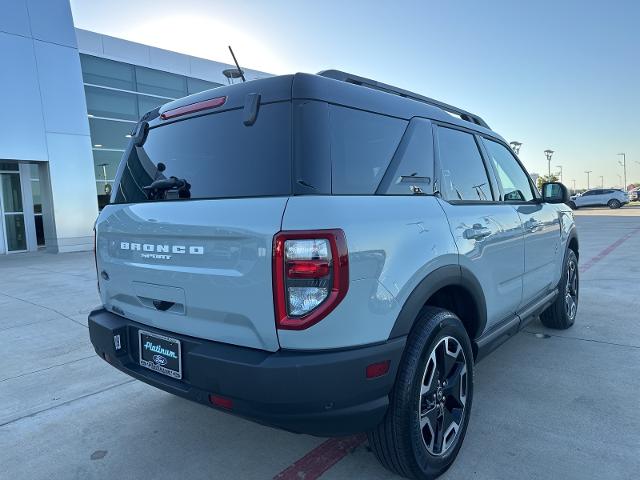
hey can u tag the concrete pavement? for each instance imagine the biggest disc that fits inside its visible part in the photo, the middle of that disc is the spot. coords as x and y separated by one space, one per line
547 404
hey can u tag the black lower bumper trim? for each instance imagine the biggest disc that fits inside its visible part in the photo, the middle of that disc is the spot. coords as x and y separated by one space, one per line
323 393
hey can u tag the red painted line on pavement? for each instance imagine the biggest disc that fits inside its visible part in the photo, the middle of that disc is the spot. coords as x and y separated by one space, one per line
592 261
321 458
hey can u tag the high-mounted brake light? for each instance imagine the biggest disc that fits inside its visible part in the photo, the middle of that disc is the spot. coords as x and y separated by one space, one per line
194 107
310 276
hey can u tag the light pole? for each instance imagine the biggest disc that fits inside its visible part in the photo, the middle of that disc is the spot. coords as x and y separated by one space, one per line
549 153
624 170
560 167
574 185
515 146
588 172
601 181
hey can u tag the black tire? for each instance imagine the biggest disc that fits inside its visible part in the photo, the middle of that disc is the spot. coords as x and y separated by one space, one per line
613 204
559 315
398 441
572 205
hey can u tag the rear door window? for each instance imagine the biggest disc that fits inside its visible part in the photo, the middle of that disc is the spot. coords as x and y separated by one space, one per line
362 145
463 176
216 154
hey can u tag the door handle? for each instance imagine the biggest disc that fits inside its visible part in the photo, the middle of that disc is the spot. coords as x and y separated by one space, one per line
533 225
478 232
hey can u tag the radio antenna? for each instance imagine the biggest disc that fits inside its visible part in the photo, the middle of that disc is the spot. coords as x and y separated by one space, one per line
237 66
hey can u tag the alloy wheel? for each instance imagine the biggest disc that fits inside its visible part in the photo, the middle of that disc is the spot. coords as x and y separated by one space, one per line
571 290
443 396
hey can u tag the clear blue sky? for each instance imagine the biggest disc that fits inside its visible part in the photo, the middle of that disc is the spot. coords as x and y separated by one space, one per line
563 75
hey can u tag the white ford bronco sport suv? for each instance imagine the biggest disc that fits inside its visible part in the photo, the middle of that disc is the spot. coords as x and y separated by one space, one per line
328 255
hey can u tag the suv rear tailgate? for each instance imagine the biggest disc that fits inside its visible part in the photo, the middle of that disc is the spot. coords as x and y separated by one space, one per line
199 268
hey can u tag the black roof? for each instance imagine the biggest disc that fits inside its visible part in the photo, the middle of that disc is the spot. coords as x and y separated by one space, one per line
342 89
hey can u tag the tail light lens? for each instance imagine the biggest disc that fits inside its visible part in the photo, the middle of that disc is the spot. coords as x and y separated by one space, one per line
310 276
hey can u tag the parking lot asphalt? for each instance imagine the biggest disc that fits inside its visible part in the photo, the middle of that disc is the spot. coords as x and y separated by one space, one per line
547 404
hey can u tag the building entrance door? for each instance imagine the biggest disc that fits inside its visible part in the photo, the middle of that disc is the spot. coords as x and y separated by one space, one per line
13 235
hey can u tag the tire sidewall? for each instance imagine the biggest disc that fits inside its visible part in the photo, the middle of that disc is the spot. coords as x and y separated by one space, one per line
443 324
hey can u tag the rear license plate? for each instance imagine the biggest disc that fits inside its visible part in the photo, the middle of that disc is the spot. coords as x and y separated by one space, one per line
160 354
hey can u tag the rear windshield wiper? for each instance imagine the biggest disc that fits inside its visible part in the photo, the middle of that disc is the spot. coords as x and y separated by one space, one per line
157 190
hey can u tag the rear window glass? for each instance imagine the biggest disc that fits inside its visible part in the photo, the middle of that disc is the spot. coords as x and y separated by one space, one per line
215 154
362 145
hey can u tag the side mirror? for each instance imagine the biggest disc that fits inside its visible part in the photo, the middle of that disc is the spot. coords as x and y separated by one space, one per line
555 192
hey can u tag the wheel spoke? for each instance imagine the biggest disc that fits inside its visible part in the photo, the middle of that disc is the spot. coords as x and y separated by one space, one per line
429 383
449 358
429 417
455 388
439 434
451 423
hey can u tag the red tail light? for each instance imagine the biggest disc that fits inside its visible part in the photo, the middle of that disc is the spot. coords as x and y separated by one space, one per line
194 107
310 276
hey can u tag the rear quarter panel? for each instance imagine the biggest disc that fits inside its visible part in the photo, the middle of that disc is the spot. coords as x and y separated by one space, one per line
393 242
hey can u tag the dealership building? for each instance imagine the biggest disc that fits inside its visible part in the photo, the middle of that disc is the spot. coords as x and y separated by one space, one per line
70 99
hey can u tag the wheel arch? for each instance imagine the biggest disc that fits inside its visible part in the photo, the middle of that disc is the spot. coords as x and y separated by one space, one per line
573 244
452 287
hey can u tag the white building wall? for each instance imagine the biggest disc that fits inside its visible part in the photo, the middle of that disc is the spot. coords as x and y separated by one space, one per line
44 115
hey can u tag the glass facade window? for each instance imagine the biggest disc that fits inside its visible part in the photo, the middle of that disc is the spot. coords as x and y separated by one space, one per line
11 193
9 167
120 93
195 85
111 104
160 83
109 133
100 71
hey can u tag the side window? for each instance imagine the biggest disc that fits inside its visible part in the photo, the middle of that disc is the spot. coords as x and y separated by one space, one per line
362 145
463 175
412 165
514 180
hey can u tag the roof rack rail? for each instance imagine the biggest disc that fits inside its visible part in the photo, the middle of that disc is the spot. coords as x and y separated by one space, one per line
367 82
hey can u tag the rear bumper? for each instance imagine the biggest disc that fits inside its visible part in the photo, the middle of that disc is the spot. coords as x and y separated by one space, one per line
319 393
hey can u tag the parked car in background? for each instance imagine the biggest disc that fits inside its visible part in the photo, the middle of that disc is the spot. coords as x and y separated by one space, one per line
598 197
634 195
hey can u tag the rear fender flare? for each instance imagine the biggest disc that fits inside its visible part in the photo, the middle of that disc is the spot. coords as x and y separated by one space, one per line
450 275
